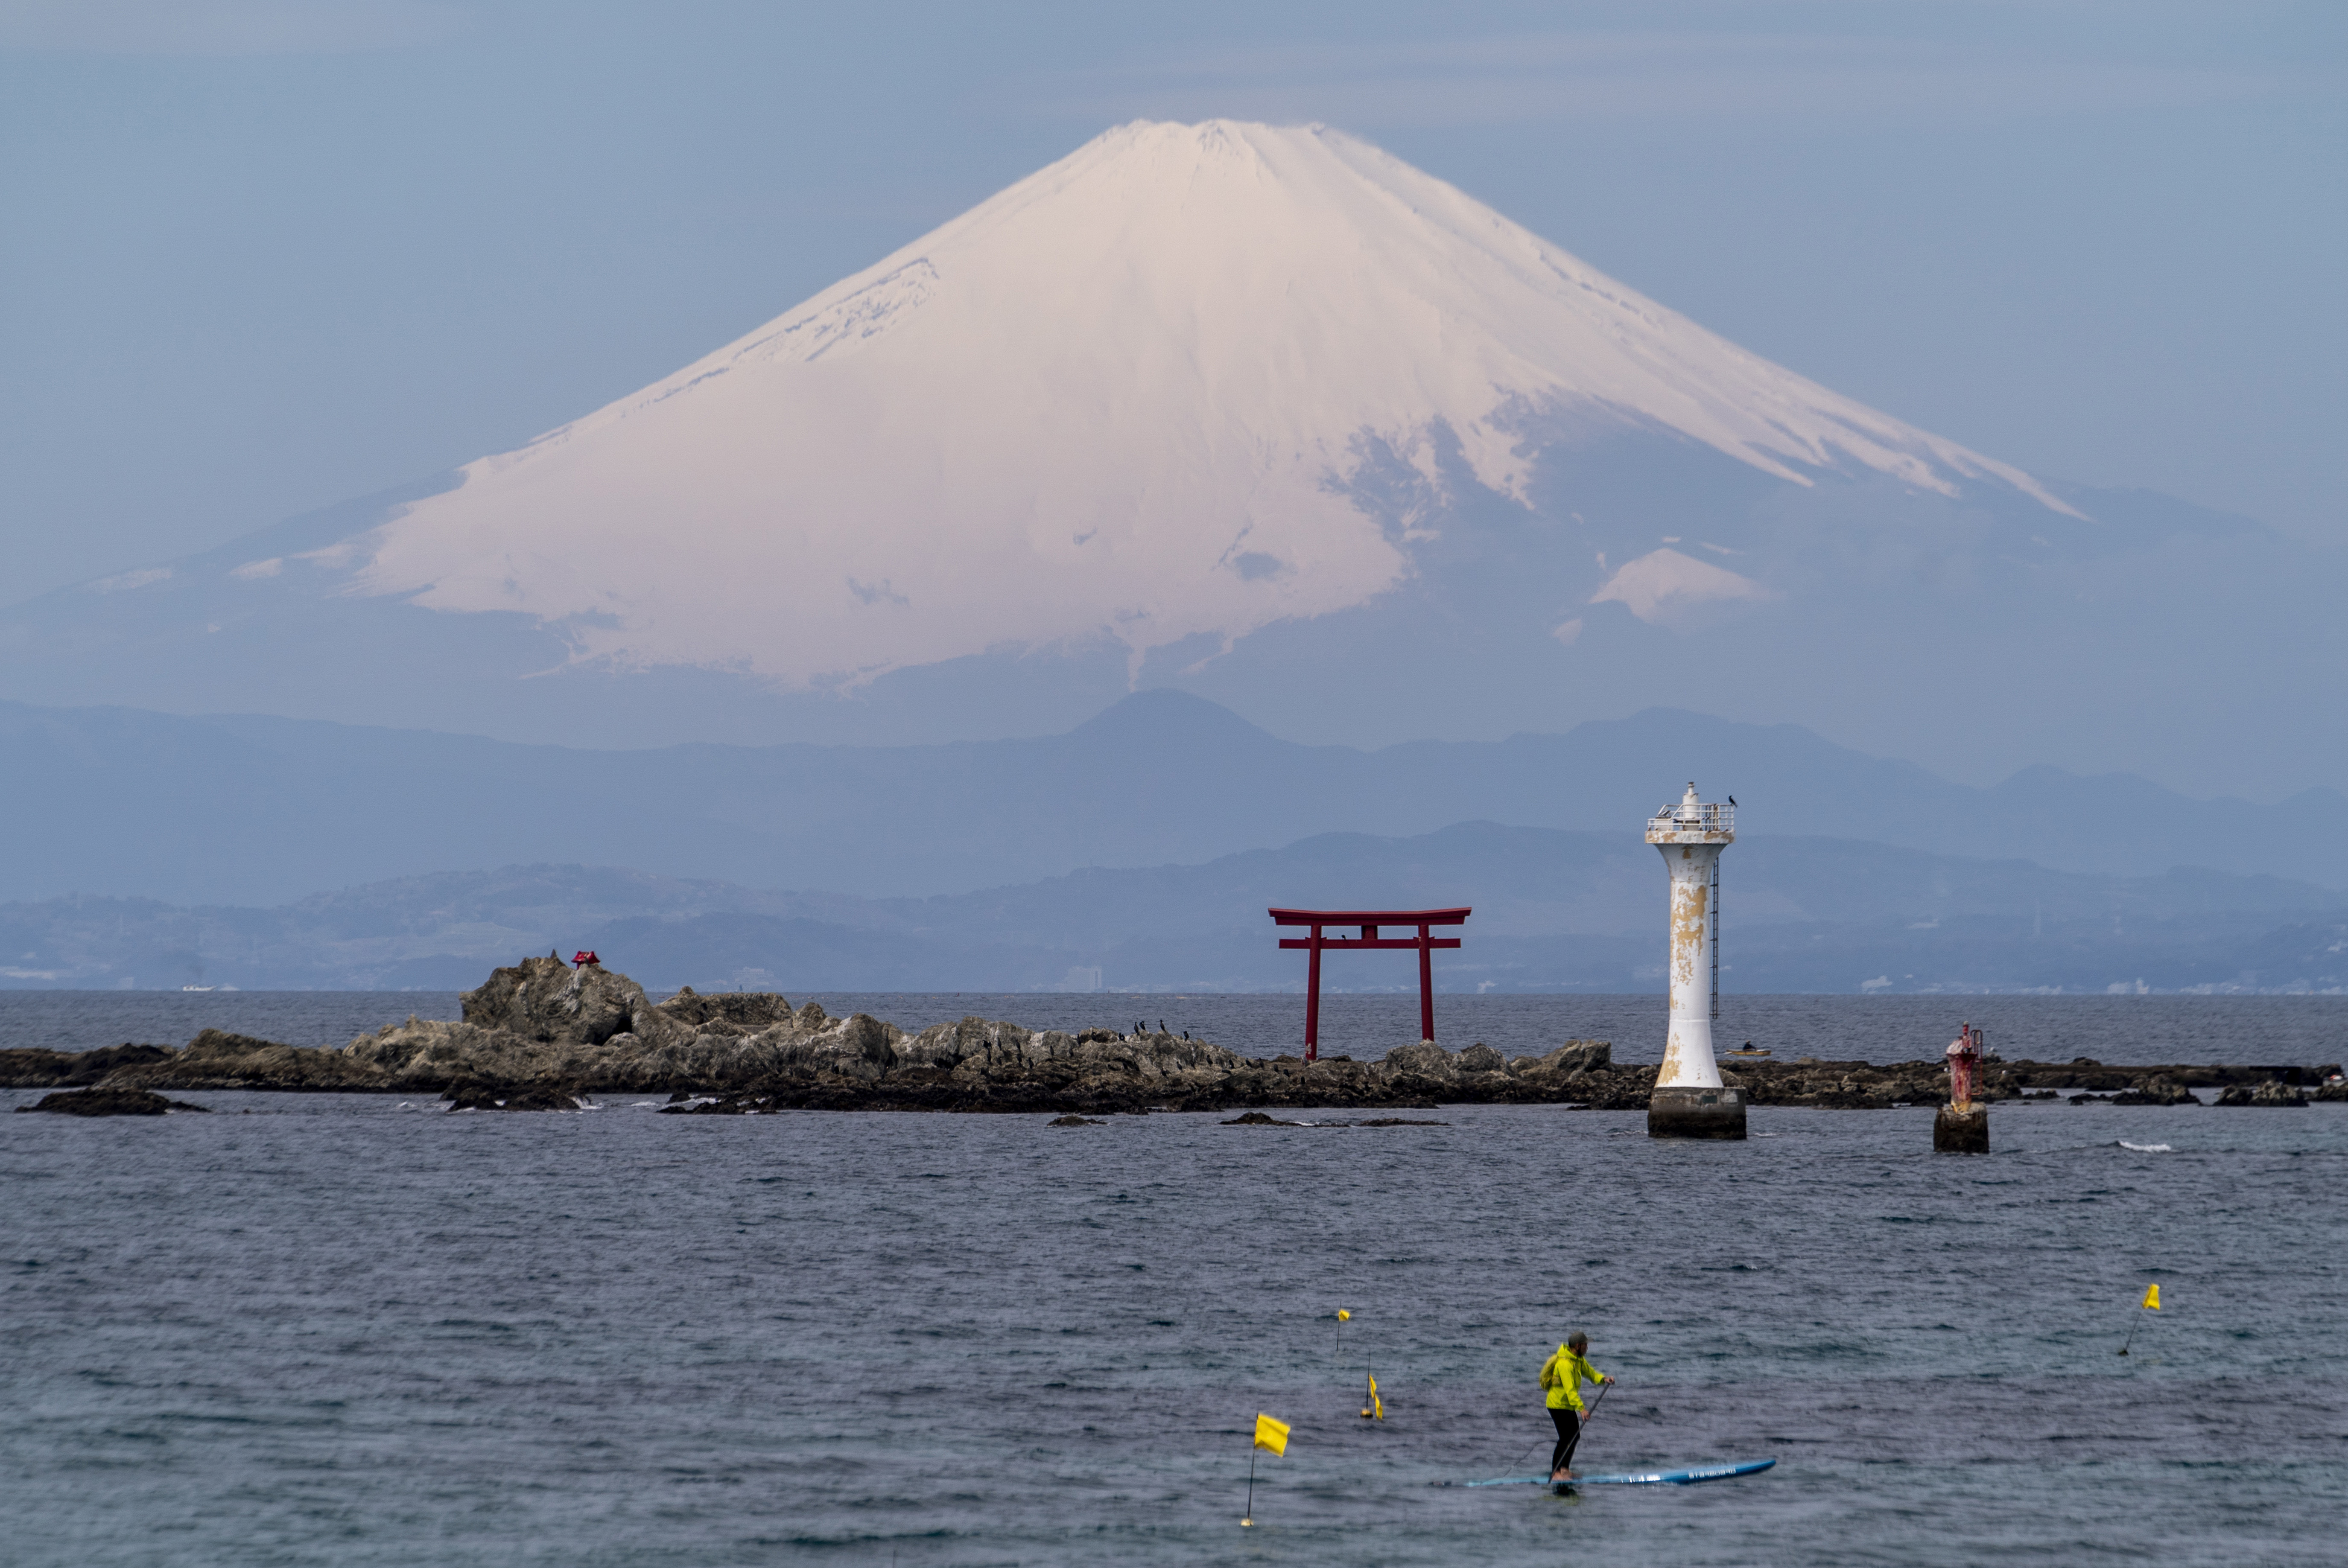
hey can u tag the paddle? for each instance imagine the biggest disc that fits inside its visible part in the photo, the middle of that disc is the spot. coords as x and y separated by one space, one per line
1591 1414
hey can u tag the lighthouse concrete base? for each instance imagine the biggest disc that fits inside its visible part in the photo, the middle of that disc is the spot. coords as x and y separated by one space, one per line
1962 1131
1697 1113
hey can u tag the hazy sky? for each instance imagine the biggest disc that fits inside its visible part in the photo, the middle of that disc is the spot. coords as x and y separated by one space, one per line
259 256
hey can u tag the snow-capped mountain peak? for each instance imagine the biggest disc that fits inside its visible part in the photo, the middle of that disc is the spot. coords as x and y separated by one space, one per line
1125 397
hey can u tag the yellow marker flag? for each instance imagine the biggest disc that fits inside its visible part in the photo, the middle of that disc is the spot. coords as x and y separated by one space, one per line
1375 1403
2152 1296
1344 1316
1270 1434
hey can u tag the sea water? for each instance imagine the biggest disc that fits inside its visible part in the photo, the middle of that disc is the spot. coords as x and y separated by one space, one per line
361 1329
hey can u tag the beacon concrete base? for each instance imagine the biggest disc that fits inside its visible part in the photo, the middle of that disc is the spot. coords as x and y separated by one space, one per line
1965 1132
1697 1113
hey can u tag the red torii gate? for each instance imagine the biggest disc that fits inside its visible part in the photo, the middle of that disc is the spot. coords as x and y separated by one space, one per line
1369 920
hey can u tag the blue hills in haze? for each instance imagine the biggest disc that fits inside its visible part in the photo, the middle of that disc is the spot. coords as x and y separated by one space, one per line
1144 844
1555 911
263 811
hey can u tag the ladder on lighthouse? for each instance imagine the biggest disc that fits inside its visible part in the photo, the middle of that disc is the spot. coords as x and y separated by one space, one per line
1715 941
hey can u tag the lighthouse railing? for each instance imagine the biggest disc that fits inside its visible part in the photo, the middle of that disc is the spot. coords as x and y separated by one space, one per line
1720 818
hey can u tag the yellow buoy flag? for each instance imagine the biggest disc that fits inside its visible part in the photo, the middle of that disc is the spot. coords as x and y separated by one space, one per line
1270 1434
1375 1403
1344 1316
2152 1296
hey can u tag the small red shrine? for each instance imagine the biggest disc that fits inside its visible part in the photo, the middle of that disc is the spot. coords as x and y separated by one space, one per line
1369 921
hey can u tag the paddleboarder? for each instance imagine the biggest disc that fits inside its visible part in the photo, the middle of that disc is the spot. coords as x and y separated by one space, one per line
1562 1376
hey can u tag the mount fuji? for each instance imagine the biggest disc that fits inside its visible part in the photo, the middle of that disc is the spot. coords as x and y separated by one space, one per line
1267 414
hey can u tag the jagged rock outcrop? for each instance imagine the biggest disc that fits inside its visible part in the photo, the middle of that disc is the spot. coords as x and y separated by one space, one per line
1427 1063
2158 1090
662 1054
38 1068
749 1011
548 1001
2261 1095
1568 1062
218 1060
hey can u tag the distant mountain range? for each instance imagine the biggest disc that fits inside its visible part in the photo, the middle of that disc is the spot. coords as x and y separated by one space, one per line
1555 911
260 811
1265 414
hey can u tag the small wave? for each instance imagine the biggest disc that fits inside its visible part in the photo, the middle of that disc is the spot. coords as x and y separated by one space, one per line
2148 1148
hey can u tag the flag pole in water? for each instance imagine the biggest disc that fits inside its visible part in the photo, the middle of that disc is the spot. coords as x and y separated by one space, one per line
1269 1434
1343 1317
2151 1303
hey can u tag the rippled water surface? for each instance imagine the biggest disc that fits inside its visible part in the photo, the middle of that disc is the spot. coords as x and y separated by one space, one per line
359 1330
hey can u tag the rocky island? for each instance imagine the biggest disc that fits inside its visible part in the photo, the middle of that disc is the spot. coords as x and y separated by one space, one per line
541 1034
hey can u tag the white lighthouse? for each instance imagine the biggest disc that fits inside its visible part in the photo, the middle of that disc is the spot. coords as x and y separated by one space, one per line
1689 1100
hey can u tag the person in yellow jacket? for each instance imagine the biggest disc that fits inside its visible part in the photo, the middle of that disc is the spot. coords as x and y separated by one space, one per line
1562 1376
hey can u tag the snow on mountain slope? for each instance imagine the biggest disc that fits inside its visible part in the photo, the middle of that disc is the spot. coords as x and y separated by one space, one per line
1124 399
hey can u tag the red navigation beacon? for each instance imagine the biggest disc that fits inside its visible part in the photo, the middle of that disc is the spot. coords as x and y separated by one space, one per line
1964 1066
1369 921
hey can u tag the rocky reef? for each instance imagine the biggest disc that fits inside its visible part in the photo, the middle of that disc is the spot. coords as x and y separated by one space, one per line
37 1069
541 1034
1857 1085
1101 1071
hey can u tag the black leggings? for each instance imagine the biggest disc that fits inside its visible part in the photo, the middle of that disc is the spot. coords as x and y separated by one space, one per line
1569 1432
